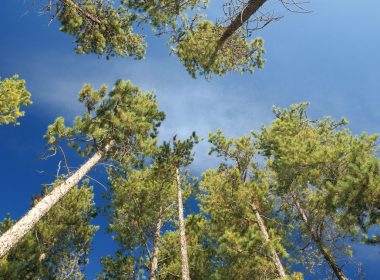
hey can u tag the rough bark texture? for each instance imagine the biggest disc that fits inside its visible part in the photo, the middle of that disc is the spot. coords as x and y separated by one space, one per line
184 258
252 7
277 262
12 236
328 257
157 236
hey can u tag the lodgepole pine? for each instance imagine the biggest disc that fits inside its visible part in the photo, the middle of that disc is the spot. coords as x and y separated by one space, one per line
12 236
249 10
156 241
239 189
182 231
277 262
174 156
125 120
327 181
319 242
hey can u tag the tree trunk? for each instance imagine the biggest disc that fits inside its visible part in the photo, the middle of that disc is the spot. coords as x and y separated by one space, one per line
252 7
277 262
185 261
157 235
13 235
328 257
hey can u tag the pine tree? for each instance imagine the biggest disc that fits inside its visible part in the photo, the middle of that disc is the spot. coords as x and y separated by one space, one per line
205 47
145 198
13 95
98 27
237 199
201 251
201 52
114 128
176 157
59 244
141 202
319 166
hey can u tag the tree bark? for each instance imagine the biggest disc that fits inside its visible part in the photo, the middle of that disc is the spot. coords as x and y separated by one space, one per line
327 256
13 235
184 258
252 7
157 236
277 262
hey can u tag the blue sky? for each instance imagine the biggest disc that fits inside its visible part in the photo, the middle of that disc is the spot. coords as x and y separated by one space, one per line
329 58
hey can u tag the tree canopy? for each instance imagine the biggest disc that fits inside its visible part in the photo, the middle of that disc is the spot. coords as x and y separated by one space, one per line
205 46
13 95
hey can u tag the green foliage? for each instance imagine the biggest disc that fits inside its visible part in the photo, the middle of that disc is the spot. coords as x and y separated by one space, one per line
58 247
331 173
343 167
178 153
202 52
161 14
126 116
200 252
118 268
229 197
100 28
137 197
144 197
13 95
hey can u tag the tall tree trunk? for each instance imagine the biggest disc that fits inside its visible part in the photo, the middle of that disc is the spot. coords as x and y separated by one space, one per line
252 7
13 235
277 262
319 242
157 236
184 259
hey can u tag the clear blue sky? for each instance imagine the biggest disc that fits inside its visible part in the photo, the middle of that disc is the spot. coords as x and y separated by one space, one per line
329 57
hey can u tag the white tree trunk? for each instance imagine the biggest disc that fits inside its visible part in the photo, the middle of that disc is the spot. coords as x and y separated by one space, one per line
277 262
184 259
157 235
13 235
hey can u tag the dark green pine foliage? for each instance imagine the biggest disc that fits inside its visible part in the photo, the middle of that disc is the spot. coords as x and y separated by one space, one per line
118 267
58 247
327 180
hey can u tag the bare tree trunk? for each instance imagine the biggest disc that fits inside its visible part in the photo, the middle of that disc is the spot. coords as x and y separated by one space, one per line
252 7
185 261
328 257
13 235
157 236
277 262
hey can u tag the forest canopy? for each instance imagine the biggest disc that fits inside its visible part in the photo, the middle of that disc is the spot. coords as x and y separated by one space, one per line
130 177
